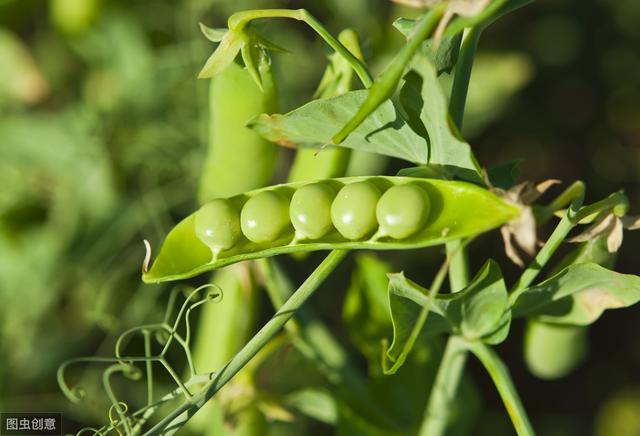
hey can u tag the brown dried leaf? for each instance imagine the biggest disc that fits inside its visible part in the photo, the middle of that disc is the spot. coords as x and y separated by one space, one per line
532 193
631 222
524 231
614 240
509 249
468 8
594 301
602 225
418 4
147 256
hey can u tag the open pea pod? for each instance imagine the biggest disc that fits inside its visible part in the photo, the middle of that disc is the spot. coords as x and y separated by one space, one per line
375 213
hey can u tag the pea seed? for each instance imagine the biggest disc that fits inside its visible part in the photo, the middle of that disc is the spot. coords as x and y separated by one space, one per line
403 210
310 210
265 217
353 211
218 225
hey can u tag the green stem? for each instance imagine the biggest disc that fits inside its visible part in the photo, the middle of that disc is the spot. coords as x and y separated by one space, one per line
452 365
571 219
241 19
502 379
385 85
444 387
462 76
178 417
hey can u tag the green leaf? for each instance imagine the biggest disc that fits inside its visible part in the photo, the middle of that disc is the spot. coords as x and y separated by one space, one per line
251 56
410 306
478 311
505 175
480 308
404 25
313 125
213 34
224 54
445 56
427 113
578 295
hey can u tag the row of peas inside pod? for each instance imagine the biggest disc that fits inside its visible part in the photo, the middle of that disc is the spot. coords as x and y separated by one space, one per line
356 211
376 212
372 209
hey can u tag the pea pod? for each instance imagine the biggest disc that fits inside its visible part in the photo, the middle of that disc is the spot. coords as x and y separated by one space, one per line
235 98
552 351
455 210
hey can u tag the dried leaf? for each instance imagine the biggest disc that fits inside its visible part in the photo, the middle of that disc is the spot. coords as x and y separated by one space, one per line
524 231
467 8
509 249
614 240
418 4
602 225
532 193
631 222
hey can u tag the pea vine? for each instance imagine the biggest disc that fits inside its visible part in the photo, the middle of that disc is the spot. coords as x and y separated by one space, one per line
445 198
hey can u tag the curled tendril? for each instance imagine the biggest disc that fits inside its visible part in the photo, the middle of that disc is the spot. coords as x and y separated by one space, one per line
120 406
95 431
77 393
165 333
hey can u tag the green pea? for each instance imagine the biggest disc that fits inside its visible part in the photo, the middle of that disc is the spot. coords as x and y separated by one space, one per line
403 210
265 217
310 210
353 211
218 225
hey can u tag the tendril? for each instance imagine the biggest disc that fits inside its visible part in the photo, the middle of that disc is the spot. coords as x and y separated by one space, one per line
165 332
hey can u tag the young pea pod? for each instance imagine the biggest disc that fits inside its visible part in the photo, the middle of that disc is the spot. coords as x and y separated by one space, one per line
552 351
235 98
379 213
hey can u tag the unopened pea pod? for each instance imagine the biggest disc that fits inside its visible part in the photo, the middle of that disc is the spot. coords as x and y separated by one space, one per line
446 210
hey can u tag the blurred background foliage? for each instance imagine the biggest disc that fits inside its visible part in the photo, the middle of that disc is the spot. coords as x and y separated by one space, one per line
102 138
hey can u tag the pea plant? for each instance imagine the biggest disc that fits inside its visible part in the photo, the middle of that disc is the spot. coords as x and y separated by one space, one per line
441 197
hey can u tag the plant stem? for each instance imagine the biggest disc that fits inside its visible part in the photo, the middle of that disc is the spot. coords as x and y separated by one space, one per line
385 84
573 216
502 379
178 417
241 19
462 76
444 387
449 374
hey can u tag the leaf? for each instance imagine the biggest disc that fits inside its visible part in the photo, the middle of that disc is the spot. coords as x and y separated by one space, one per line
213 34
480 308
410 306
578 295
478 311
446 54
427 113
505 175
313 124
224 54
